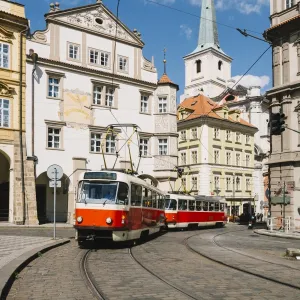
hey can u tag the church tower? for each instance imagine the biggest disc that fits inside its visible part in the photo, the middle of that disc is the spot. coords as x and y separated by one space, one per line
207 68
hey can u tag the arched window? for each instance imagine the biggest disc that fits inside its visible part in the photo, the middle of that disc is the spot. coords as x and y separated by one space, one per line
220 65
198 65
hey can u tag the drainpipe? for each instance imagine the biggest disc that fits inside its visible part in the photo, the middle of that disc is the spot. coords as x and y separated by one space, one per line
20 124
34 58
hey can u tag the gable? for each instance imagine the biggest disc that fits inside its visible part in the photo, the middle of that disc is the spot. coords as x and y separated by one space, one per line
96 19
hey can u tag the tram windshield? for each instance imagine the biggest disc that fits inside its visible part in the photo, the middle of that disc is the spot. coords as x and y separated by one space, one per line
171 204
103 193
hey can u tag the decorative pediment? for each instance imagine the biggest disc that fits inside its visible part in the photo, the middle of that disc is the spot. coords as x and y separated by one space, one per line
5 90
97 19
6 35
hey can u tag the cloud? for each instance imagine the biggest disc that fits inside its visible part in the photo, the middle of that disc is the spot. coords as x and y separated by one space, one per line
243 6
252 80
186 30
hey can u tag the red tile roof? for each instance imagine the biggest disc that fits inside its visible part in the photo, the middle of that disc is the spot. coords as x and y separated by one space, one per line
165 79
200 106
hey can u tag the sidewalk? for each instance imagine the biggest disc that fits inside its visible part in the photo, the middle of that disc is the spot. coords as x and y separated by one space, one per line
279 234
17 251
59 225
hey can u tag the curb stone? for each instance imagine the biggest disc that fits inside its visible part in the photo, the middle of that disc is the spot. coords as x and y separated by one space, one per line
8 272
276 234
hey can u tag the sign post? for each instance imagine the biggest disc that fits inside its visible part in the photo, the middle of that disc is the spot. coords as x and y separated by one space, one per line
54 173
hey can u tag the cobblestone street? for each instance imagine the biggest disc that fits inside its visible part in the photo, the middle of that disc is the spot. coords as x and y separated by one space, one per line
56 274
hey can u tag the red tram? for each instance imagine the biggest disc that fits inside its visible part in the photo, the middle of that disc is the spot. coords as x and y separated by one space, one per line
183 211
117 206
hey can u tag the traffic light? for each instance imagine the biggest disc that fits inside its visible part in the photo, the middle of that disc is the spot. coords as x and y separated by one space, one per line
180 172
277 123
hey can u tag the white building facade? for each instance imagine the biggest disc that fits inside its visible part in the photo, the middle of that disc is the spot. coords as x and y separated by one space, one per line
208 72
90 74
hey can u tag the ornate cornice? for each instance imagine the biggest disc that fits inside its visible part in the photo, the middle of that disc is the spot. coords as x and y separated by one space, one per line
5 90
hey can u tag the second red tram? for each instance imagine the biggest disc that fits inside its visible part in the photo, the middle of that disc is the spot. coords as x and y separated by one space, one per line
184 211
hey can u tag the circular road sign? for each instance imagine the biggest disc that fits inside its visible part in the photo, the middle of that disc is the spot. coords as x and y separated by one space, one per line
51 172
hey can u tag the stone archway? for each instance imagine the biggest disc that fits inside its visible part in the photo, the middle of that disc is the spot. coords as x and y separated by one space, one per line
45 203
4 187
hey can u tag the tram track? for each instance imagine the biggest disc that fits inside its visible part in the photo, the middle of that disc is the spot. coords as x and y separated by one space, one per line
88 278
185 242
159 277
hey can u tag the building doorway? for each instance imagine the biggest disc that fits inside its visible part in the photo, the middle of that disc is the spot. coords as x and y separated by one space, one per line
4 187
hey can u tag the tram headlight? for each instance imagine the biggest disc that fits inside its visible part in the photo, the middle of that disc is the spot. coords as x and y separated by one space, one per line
108 221
79 219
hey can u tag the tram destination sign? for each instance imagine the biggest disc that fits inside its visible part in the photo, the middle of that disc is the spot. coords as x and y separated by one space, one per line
100 175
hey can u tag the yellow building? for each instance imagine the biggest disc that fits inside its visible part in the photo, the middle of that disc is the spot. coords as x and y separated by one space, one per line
17 192
216 152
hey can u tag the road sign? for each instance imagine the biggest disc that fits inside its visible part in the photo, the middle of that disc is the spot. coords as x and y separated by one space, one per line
52 184
55 169
279 200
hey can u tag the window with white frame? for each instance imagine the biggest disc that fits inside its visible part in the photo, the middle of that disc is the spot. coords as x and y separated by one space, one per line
248 185
247 160
289 3
54 87
216 183
183 135
100 58
97 94
183 158
216 156
4 56
228 158
238 184
144 147
247 139
4 113
95 142
163 146
238 159
228 135
194 183
216 133
54 138
237 137
228 184
194 157
109 97
194 133
123 64
74 52
110 144
162 104
144 104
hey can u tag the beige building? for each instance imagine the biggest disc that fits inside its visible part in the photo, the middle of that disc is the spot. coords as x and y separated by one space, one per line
216 153
284 162
17 192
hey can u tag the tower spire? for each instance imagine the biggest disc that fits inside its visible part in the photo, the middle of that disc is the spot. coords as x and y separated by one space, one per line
208 32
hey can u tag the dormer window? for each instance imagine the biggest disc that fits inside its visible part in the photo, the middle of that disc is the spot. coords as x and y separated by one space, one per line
289 3
198 65
220 65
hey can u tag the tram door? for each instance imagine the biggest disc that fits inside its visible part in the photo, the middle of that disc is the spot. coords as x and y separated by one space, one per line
135 212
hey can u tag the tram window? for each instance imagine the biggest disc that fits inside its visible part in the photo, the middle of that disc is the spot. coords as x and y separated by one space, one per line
211 206
205 206
222 206
154 203
122 197
198 205
147 200
217 206
160 201
171 204
191 205
182 204
136 195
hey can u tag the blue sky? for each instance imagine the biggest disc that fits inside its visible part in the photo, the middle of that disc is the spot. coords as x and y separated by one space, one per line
178 32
